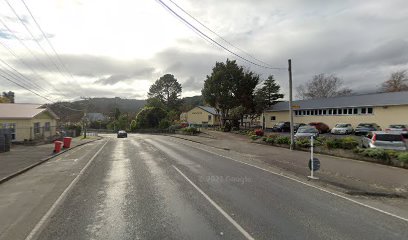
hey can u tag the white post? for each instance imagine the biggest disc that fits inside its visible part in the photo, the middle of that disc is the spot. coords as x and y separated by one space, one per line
311 156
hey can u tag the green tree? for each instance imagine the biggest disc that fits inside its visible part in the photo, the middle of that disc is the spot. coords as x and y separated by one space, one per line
150 117
168 90
117 113
267 95
133 125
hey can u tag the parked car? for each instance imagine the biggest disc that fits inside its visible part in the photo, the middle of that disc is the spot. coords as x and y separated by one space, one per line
342 128
385 140
364 128
296 126
321 127
122 134
307 131
397 128
281 127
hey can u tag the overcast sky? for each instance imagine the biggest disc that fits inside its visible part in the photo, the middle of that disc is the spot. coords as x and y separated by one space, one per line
119 48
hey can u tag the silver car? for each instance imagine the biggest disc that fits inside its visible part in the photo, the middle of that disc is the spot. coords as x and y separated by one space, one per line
397 128
385 140
307 131
342 128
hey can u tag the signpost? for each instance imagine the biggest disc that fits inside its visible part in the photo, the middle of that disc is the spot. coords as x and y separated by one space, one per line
314 163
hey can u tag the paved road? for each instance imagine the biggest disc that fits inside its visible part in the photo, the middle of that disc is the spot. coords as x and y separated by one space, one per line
157 187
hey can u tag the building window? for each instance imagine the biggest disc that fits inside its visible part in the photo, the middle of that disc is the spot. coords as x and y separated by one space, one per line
47 126
330 111
369 110
350 111
355 110
36 128
324 112
11 127
273 118
363 110
320 112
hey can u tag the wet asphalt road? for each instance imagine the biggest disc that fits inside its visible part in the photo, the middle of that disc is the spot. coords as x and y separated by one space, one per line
158 187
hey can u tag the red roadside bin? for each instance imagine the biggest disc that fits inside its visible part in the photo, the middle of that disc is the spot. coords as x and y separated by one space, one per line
57 146
67 142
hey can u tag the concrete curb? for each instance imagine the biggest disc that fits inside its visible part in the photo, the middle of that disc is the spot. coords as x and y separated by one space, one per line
227 149
15 174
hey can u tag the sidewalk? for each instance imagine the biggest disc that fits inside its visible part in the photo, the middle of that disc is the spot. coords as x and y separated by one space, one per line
21 157
352 176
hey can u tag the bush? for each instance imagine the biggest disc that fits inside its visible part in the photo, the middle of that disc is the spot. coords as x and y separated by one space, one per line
164 123
344 143
270 140
255 137
403 157
190 130
259 132
303 142
227 127
376 153
282 140
150 117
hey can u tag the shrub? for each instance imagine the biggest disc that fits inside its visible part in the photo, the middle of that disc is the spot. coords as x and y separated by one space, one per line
333 143
282 140
227 127
349 143
190 130
303 142
376 153
164 123
403 157
270 140
150 117
259 132
255 137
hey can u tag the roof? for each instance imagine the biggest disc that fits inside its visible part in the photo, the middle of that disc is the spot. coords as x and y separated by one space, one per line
209 109
23 111
96 117
366 100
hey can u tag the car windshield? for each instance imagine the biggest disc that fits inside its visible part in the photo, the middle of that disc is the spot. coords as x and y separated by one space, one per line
342 125
307 130
398 126
388 137
368 125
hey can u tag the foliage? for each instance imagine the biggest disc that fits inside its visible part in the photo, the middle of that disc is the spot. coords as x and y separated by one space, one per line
344 143
190 130
255 137
164 123
376 153
4 100
98 124
191 102
282 140
270 139
322 86
303 142
133 125
76 127
397 82
150 117
117 113
227 127
259 132
267 95
155 102
403 157
168 90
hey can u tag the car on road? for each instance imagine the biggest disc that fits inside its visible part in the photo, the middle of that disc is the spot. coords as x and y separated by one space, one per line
321 127
364 128
385 140
296 126
307 131
397 128
122 134
281 127
342 128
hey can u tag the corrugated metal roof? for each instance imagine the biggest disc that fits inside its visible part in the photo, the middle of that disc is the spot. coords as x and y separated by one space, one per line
364 100
21 110
209 109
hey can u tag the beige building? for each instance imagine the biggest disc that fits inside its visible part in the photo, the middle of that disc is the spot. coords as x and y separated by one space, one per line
28 121
202 115
381 108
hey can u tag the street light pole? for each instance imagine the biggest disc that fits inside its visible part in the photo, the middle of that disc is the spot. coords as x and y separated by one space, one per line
292 142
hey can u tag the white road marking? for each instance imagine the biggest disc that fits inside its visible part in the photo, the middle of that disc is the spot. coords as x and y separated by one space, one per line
60 199
228 217
304 183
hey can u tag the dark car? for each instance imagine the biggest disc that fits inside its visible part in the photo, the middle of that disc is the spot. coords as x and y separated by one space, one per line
281 127
321 127
364 128
122 134
296 126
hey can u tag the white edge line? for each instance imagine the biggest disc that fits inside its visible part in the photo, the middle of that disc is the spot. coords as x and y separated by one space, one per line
228 217
54 206
304 183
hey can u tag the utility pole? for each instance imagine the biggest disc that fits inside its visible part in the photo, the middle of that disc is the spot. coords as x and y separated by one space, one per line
292 138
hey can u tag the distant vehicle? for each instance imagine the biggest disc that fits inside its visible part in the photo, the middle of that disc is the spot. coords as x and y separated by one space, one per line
307 131
385 140
342 128
397 128
281 127
122 134
296 126
364 128
321 127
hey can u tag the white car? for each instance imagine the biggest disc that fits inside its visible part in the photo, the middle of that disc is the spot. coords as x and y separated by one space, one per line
342 128
307 131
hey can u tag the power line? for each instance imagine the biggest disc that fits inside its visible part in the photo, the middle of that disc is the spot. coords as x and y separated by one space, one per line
46 38
33 37
225 40
212 40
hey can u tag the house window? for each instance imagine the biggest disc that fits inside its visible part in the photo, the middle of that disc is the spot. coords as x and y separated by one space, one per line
36 128
355 110
324 112
363 110
350 111
330 111
369 110
320 112
12 127
209 117
273 118
47 126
